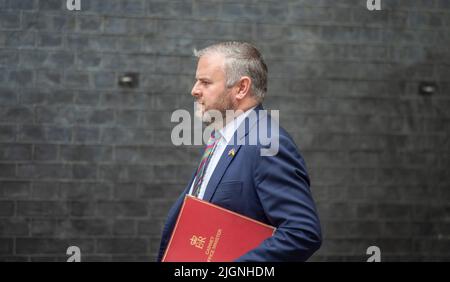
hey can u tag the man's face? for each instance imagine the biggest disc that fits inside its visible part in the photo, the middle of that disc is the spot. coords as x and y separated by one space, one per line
210 91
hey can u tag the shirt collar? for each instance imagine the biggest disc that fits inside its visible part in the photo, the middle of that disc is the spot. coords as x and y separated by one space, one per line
228 131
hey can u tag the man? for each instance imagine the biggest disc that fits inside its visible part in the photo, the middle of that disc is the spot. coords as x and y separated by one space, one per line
273 189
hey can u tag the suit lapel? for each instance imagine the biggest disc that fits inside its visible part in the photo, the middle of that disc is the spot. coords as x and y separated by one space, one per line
220 169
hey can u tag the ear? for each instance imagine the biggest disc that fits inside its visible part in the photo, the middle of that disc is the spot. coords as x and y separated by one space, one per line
243 87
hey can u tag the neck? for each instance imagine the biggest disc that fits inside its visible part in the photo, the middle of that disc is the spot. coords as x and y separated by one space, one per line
231 115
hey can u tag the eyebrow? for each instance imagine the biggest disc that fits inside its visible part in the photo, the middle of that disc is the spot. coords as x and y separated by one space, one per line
203 78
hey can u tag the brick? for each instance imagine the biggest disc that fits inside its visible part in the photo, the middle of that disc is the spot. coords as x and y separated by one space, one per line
52 246
46 227
44 152
60 59
101 117
6 208
132 7
101 8
129 44
19 114
86 134
76 191
15 258
89 23
58 115
14 189
208 10
142 173
346 246
9 20
88 227
14 227
7 170
122 246
157 120
150 227
21 4
32 133
173 9
155 190
6 246
443 4
114 25
41 208
103 43
127 117
172 102
241 11
49 40
9 57
86 153
16 39
35 21
57 22
59 134
86 98
169 64
15 152
159 209
125 191
116 173
434 247
47 96
96 258
21 77
105 80
76 79
50 5
89 60
44 171
82 208
84 171
125 100
50 79
45 190
7 133
124 227
122 208
121 135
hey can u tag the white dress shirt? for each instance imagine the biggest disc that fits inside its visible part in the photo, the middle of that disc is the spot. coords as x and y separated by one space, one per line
226 134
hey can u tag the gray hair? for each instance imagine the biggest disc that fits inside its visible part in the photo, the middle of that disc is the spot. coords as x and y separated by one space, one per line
241 59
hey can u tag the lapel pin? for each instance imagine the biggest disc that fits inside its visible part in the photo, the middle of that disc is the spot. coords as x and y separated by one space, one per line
231 153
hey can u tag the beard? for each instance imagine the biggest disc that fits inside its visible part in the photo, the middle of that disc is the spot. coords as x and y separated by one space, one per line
215 113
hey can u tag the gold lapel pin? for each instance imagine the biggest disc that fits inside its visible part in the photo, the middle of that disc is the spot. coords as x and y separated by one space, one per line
231 152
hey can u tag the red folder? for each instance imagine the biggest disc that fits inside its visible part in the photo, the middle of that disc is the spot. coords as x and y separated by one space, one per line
206 233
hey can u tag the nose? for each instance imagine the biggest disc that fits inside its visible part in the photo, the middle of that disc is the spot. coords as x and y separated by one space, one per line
195 90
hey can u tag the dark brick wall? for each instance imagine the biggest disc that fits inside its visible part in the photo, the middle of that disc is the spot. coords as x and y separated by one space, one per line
85 162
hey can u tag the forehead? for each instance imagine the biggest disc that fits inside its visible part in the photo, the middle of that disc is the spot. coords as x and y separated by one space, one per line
211 65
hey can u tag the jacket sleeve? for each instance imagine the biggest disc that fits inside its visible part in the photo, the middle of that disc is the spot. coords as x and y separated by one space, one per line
282 185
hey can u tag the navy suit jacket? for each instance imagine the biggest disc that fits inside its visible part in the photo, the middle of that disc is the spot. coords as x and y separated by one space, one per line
271 189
